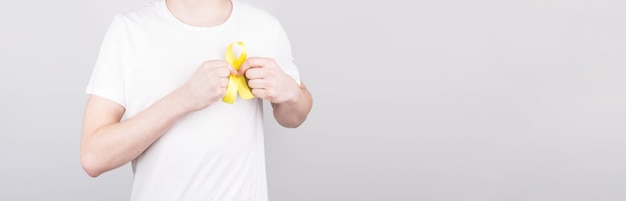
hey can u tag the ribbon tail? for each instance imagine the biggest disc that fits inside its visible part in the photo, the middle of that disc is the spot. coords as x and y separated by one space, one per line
231 90
243 89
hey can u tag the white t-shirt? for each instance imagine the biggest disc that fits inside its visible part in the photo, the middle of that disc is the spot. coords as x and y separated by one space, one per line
215 154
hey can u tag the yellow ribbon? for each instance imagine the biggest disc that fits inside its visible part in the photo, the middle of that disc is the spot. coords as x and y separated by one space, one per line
236 83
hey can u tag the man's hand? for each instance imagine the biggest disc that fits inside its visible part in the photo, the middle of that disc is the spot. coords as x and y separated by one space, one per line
207 85
268 81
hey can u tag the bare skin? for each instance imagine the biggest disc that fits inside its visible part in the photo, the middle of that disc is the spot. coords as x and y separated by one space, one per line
291 102
108 143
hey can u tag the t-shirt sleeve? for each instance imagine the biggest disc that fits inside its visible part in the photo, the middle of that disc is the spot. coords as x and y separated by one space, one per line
107 78
283 55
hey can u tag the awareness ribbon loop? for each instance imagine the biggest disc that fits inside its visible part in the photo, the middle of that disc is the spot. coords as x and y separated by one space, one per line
236 83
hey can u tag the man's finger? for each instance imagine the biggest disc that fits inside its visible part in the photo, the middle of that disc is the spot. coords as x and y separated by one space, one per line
221 72
257 83
255 73
260 93
232 70
223 82
252 62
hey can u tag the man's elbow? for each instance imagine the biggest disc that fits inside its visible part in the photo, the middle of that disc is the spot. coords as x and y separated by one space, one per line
292 123
90 164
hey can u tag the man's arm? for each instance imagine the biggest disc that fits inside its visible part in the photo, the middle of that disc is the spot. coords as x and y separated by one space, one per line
291 102
293 112
108 143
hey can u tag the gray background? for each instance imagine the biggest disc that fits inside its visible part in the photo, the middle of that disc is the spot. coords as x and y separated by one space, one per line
414 100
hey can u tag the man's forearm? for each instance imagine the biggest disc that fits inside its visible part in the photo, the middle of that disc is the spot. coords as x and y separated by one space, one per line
114 145
292 113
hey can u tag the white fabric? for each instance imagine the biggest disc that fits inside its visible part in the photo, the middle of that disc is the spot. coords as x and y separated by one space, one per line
215 154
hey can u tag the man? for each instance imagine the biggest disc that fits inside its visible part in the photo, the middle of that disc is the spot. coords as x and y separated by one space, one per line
156 99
